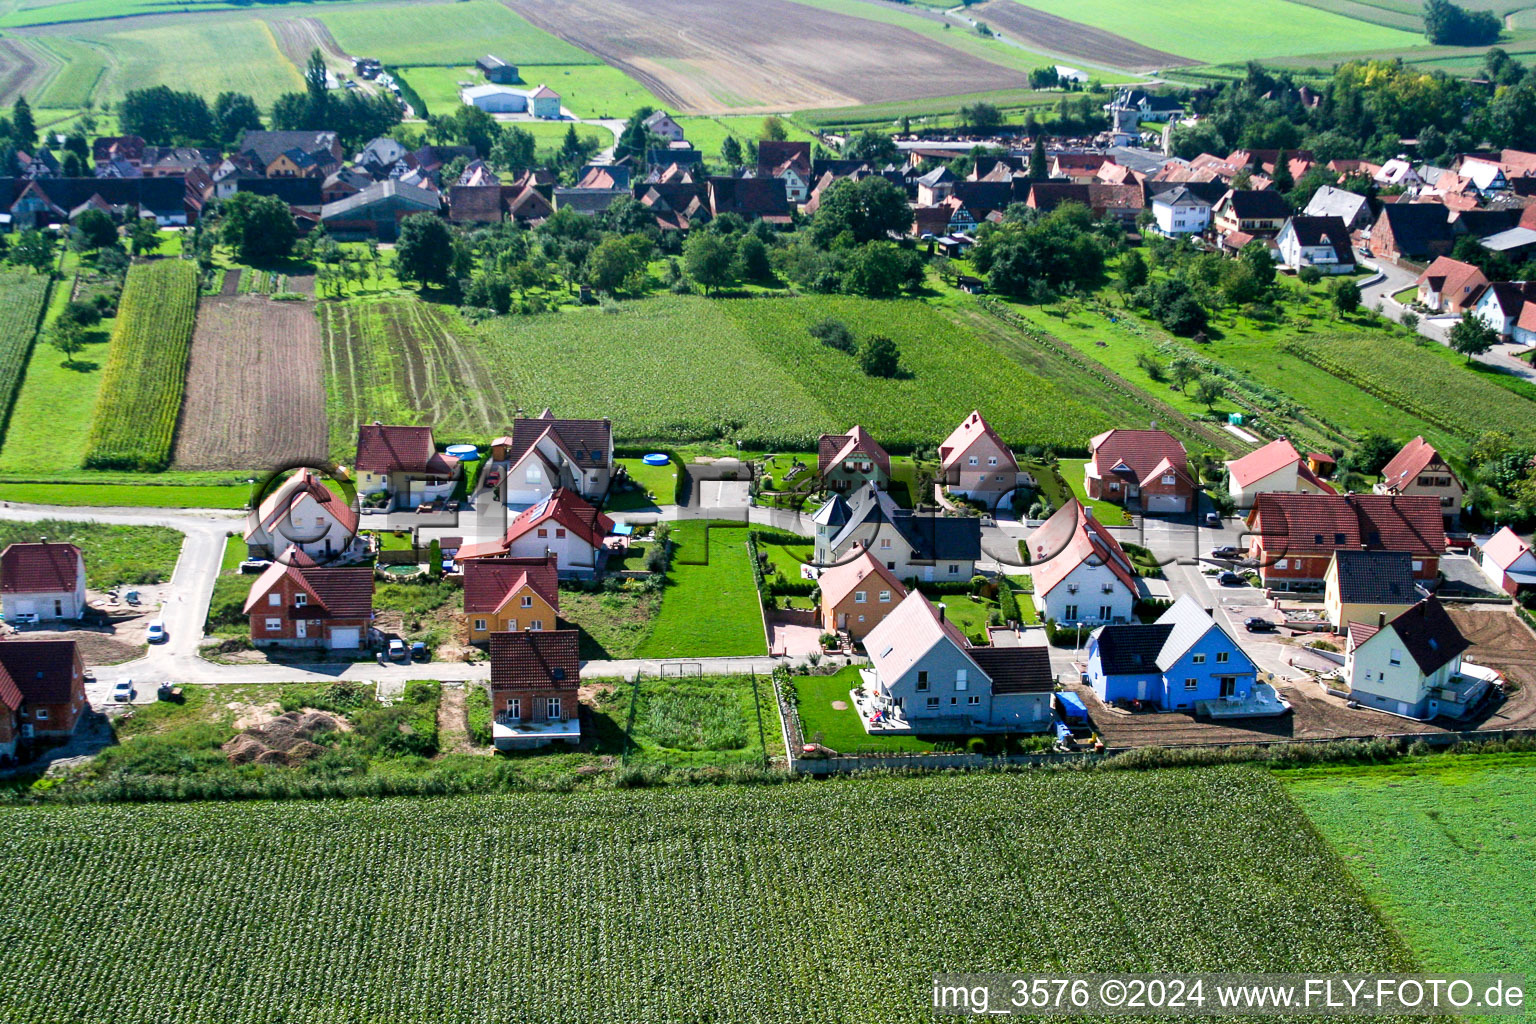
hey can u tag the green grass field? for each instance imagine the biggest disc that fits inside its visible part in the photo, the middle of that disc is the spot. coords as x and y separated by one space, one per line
840 728
1443 846
756 903
693 720
587 90
18 13
113 554
76 490
446 33
708 610
1204 30
22 294
748 370
708 134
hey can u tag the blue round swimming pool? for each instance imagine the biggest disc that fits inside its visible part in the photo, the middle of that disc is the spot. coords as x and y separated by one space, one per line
656 459
464 452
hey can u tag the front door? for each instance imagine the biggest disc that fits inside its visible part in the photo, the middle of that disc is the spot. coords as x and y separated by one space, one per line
301 629
1228 685
842 620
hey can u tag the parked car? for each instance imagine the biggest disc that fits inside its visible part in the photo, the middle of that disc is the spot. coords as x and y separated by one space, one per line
1230 579
123 692
1258 624
253 566
1225 551
419 651
155 634
398 651
1213 519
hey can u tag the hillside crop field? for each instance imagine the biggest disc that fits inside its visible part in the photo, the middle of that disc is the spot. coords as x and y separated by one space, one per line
255 391
1055 32
761 55
1460 828
146 374
1205 31
446 33
811 901
22 294
403 361
685 368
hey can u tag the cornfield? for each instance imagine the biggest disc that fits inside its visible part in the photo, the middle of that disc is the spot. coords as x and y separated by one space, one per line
141 388
21 305
827 901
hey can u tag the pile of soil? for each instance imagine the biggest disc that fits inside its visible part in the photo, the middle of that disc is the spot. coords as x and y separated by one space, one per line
287 739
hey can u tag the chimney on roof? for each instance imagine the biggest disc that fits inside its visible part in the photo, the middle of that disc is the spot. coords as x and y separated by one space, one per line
1381 620
941 611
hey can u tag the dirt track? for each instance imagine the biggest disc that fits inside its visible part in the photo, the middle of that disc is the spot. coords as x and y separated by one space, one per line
1060 35
255 395
751 56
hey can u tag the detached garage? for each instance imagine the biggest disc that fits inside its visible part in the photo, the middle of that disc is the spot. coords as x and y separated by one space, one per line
495 99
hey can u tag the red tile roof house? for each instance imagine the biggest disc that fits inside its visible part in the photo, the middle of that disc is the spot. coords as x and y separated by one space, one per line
845 461
535 679
42 690
1509 562
508 594
400 467
303 512
1450 285
975 463
1080 571
857 595
1276 468
545 453
1294 536
1145 469
563 524
298 604
1419 469
46 580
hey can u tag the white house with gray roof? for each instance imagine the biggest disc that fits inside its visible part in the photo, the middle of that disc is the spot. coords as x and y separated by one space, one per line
924 547
925 677
1350 207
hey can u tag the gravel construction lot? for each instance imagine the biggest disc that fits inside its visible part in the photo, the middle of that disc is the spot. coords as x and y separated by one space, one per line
758 56
1500 642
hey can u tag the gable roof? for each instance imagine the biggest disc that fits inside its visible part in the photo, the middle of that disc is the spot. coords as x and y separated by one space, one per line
1255 205
303 484
1016 669
1451 276
390 449
1303 524
1505 548
1137 454
567 509
1329 201
1316 232
267 146
586 442
1416 226
39 568
336 592
1270 459
930 537
971 429
1430 636
834 448
906 635
1408 463
1375 577
1132 649
767 198
390 190
543 658
10 693
490 582
42 670
840 580
1068 539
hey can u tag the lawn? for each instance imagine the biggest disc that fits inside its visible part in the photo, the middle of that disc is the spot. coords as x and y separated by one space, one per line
1071 471
114 555
1444 846
970 614
710 609
1202 30
695 720
757 902
747 370
708 134
659 482
613 624
446 33
127 495
22 294
586 90
549 135
840 728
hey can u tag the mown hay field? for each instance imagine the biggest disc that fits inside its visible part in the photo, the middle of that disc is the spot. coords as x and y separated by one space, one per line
146 374
685 368
446 33
403 361
255 396
1446 847
829 901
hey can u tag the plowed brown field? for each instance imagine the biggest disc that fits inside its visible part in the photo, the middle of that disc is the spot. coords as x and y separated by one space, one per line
1060 35
749 56
255 391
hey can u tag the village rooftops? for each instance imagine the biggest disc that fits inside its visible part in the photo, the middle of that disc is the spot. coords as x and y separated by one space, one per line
391 449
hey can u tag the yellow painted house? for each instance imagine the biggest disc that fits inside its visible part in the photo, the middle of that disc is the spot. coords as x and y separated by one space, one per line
509 595
1363 586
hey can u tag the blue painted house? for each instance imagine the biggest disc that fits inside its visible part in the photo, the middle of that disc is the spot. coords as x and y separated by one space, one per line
1181 659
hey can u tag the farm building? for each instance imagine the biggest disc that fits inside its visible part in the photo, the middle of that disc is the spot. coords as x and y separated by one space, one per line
495 99
376 211
43 580
40 202
535 679
497 70
42 690
296 603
